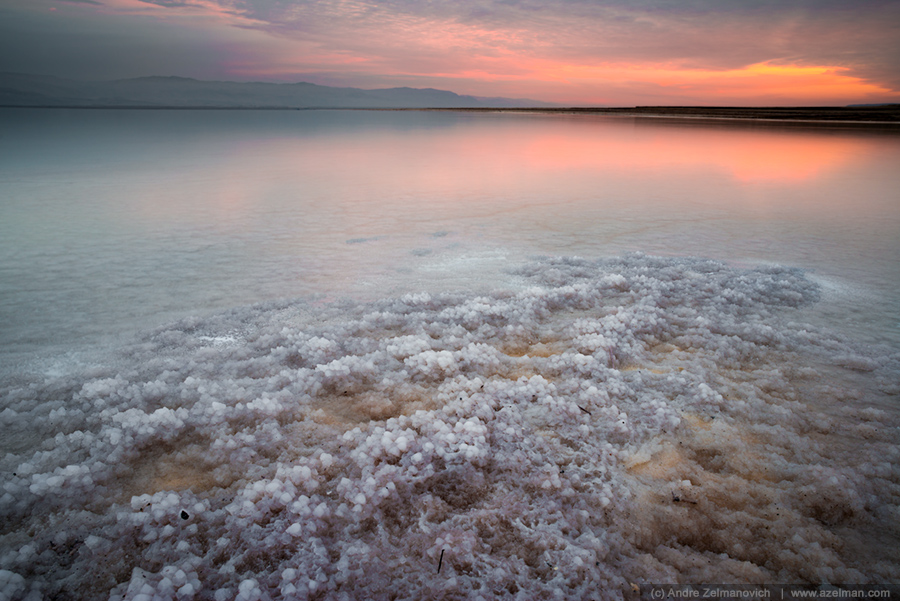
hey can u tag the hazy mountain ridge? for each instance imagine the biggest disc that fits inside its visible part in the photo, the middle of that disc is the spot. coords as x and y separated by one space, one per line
17 89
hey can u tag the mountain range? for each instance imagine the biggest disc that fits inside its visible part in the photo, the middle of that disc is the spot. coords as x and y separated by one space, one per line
25 90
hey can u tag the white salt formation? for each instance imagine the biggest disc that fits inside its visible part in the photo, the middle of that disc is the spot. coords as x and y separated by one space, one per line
613 423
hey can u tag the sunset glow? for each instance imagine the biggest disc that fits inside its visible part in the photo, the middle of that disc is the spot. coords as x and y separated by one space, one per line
774 84
607 53
746 159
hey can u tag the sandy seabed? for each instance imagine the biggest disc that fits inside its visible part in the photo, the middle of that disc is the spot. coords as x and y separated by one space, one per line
614 423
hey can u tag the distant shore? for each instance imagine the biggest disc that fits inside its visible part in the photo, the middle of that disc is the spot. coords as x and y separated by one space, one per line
880 114
888 114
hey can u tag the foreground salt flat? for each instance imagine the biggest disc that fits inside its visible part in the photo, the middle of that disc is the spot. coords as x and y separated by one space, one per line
617 422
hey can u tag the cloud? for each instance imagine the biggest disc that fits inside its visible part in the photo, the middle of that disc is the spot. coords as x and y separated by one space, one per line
116 40
576 49
169 3
421 36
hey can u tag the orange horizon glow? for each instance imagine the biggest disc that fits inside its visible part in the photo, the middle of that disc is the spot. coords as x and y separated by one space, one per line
785 84
365 45
758 84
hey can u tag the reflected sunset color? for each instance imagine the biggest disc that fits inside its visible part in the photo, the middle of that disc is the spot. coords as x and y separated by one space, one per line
167 211
751 157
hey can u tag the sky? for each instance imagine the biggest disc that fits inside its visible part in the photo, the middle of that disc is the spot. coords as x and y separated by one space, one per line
572 52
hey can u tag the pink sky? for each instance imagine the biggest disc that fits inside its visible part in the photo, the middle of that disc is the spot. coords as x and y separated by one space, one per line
576 52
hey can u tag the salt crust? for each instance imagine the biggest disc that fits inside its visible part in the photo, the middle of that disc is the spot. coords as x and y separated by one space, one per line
629 420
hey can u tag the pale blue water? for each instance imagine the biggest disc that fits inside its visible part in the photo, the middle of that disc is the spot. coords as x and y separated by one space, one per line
114 221
554 426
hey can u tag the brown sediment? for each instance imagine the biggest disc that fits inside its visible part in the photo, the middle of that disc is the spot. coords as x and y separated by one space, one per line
539 349
690 487
349 408
170 470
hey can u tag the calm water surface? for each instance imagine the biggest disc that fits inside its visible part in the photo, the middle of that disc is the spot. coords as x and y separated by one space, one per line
113 221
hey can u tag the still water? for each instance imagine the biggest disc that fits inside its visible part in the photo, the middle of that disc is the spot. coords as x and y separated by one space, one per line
453 386
115 221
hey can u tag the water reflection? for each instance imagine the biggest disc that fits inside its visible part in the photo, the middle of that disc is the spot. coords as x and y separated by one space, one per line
114 218
750 157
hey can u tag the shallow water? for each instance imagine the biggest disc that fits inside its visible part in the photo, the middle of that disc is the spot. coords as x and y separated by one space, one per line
416 386
116 220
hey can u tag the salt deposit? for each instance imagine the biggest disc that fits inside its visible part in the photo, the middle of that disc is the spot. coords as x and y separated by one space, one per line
612 423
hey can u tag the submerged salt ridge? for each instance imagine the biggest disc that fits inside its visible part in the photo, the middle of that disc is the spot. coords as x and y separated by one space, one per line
622 421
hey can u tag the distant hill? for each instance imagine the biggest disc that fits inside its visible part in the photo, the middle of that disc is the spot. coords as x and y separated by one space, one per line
17 89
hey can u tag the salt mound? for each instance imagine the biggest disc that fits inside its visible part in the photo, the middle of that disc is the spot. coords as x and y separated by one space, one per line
613 423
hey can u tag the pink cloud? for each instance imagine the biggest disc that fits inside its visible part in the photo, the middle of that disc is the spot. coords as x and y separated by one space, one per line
611 52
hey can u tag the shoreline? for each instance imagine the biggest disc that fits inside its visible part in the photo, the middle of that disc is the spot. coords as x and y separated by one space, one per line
648 416
874 115
865 115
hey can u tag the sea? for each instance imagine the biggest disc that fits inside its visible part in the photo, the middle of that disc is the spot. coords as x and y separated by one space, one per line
112 221
334 337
